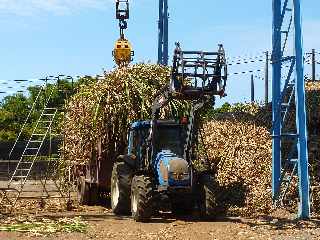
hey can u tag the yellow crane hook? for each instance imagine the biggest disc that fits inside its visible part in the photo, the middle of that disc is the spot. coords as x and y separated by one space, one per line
122 52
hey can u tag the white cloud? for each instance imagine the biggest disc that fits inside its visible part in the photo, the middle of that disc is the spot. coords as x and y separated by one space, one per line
31 7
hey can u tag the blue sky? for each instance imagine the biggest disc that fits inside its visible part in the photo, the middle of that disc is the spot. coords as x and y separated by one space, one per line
76 37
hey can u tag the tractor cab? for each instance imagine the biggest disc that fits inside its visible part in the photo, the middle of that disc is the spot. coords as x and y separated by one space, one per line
169 136
161 146
157 136
157 173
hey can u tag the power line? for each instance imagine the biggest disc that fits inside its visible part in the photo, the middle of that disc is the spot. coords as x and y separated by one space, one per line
245 56
246 62
245 72
242 59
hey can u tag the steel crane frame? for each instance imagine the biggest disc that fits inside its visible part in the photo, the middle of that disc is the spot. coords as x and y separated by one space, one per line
285 164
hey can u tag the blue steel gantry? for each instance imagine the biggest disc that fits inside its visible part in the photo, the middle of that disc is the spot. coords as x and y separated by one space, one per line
289 144
163 51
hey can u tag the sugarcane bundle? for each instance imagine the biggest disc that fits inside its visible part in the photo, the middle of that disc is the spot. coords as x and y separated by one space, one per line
239 144
103 109
313 122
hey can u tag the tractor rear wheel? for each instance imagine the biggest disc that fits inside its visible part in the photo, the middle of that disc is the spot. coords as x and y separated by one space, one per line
120 188
141 198
208 190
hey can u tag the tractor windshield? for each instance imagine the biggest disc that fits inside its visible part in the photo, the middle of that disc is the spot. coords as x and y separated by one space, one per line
170 137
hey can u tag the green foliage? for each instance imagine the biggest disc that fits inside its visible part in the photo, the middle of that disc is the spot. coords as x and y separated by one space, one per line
211 113
47 226
15 108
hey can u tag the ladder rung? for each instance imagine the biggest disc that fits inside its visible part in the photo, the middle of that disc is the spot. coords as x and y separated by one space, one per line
293 160
35 141
21 169
48 114
50 109
18 184
31 148
9 190
291 135
25 163
286 59
19 176
45 121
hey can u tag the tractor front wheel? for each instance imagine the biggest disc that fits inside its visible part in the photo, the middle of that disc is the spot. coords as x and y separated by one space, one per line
141 198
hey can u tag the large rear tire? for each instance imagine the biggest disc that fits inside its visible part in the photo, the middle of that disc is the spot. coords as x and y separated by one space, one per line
120 188
141 198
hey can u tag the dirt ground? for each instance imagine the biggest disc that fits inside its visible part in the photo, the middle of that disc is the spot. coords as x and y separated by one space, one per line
102 224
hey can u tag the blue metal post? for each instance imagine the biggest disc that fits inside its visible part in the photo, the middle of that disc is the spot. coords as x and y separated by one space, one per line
304 204
276 92
160 37
163 52
165 33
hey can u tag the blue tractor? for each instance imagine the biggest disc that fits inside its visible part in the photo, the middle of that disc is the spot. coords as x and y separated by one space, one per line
158 172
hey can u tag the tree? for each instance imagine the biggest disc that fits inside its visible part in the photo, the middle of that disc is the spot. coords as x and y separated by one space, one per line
15 108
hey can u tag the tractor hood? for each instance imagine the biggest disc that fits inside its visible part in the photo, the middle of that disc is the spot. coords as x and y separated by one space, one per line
172 170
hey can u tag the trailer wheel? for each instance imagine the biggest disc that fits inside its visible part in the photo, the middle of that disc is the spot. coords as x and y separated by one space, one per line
141 198
120 188
83 192
208 201
94 194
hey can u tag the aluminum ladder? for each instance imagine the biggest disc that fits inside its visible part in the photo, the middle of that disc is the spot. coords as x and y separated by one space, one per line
16 184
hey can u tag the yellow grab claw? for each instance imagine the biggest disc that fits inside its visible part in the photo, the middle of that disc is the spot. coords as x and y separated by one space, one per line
122 52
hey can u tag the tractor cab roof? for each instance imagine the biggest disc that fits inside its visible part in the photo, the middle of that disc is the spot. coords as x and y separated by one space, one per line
140 125
147 124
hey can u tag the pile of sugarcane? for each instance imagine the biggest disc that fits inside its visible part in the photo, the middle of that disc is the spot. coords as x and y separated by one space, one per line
238 142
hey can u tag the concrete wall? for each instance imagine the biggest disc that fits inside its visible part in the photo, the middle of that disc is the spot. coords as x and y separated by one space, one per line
7 167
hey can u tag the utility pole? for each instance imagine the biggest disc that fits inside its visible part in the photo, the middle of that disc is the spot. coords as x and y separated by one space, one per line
313 54
252 88
266 80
